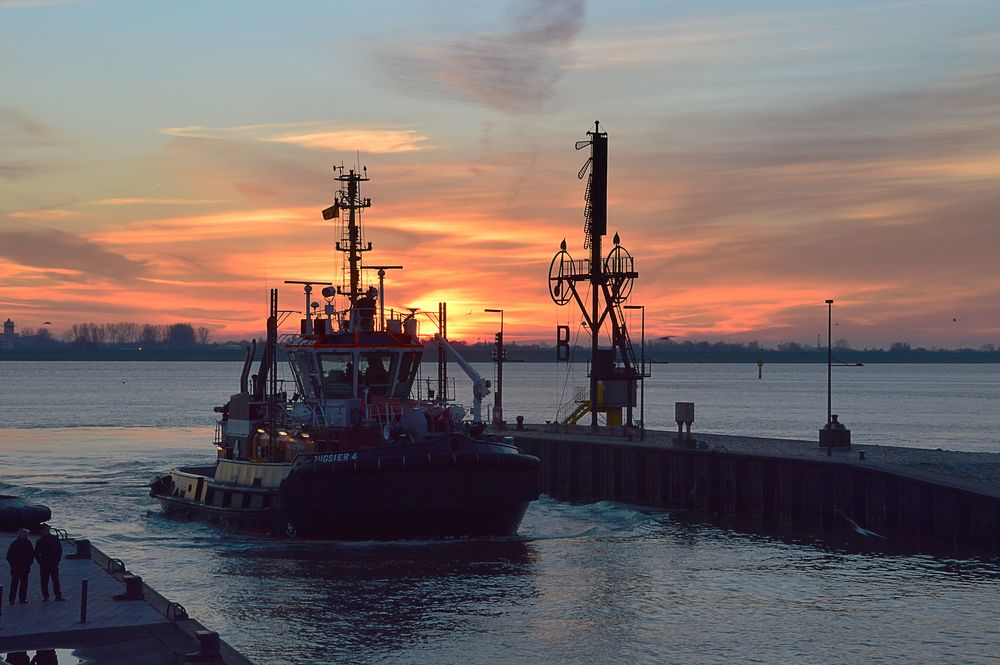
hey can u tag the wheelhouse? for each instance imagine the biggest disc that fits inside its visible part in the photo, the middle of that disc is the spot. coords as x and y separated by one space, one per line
325 372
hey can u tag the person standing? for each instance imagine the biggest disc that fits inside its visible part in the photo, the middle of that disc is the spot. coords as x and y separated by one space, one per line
48 552
20 556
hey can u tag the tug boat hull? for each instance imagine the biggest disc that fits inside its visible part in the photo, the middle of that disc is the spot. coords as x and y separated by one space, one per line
425 495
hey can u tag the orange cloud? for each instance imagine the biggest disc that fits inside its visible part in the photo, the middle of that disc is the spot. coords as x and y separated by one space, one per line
156 201
315 136
44 214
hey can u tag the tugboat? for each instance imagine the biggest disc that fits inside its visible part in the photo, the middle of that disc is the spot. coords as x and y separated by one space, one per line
352 454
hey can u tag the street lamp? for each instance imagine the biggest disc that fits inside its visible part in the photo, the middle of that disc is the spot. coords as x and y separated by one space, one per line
498 393
829 375
642 380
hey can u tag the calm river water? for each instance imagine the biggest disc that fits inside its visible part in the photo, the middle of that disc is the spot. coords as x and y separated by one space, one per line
595 583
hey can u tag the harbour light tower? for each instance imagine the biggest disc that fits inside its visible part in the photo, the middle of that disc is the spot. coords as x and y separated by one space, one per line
614 372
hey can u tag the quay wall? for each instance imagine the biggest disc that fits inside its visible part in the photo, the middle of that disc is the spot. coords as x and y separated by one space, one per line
772 493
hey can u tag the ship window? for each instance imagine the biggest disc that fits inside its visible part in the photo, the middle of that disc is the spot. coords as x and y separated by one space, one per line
407 372
375 370
338 374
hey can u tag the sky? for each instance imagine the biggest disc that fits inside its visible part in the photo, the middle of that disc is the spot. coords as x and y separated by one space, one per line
168 161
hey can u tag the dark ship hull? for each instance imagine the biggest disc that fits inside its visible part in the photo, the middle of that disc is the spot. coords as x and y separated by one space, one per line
421 494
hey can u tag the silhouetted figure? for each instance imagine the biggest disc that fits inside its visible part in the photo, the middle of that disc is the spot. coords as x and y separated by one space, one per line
20 556
48 552
17 658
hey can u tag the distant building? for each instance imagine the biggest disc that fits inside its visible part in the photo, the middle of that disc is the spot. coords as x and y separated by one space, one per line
9 338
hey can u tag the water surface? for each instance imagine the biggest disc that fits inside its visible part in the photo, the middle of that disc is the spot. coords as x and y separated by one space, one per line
593 583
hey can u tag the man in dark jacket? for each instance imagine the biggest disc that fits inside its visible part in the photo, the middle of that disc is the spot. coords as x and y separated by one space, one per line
48 552
20 556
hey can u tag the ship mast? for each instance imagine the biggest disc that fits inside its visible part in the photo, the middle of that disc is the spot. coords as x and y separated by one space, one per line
351 238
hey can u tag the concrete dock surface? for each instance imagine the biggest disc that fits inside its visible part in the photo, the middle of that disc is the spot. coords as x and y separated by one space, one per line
973 471
148 631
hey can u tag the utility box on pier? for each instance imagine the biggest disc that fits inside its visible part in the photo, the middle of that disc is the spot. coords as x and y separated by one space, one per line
684 414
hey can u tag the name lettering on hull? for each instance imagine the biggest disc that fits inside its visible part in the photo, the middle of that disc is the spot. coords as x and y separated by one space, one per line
336 457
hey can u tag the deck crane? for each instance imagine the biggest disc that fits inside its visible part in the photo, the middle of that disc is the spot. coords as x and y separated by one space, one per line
480 386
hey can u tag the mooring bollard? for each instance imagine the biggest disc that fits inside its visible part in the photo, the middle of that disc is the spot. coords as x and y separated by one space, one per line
133 588
82 549
209 648
83 600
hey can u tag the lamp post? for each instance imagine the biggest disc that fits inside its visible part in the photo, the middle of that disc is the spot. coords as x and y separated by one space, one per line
829 375
642 379
498 393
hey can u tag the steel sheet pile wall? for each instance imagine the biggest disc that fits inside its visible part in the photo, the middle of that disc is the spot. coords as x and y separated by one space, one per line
770 493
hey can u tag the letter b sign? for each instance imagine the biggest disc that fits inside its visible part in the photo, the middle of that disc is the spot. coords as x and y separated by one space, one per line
562 343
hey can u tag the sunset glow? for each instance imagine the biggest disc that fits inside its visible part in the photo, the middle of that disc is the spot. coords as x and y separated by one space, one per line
761 160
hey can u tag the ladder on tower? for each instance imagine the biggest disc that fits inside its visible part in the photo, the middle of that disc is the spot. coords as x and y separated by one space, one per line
628 351
582 409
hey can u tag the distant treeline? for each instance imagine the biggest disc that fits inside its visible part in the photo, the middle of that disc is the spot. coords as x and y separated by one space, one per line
669 351
101 340
183 341
127 332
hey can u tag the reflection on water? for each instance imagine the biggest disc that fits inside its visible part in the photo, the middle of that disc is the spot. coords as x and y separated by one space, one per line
584 583
379 597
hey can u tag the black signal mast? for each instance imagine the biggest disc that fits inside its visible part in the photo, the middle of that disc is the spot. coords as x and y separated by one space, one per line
610 279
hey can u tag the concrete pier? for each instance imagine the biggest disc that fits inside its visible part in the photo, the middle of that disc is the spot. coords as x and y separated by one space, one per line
149 630
914 499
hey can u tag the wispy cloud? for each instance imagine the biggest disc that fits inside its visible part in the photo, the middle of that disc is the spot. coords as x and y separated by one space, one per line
156 201
53 214
514 70
50 249
19 129
314 135
28 4
226 226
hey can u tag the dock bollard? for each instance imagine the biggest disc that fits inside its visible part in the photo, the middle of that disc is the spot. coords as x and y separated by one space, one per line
83 600
82 549
133 588
209 648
